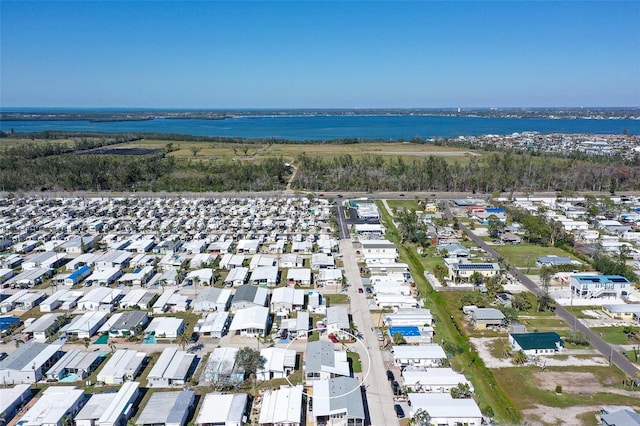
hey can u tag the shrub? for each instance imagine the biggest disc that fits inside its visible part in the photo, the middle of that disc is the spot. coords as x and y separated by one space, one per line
558 389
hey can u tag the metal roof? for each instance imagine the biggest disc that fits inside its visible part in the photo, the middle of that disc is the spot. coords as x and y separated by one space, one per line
166 407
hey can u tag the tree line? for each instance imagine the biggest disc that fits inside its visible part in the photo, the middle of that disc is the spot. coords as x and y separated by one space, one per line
508 172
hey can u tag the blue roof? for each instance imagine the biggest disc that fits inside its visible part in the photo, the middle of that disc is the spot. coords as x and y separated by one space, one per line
601 279
494 210
8 321
79 272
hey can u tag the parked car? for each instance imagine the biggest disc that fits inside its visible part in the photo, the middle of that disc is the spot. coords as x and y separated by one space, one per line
360 290
380 335
333 338
399 411
369 290
390 375
3 355
395 386
284 334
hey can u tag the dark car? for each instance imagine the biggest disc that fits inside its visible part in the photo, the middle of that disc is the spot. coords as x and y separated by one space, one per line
339 195
390 375
396 387
360 290
402 195
369 290
3 355
284 334
399 411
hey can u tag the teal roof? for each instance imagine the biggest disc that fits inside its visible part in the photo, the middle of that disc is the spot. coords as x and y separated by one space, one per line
546 340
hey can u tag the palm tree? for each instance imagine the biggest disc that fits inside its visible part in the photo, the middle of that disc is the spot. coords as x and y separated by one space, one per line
398 338
183 340
520 357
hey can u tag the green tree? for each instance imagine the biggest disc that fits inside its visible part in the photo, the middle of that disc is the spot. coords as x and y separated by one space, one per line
462 390
521 302
250 361
398 338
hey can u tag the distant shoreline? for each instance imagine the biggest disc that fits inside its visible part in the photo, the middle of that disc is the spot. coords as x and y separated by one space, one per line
97 115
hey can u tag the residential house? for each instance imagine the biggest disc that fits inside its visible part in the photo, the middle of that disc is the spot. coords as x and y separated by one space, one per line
483 318
173 367
248 295
279 363
338 402
445 410
323 362
28 363
212 299
337 322
299 277
167 409
223 410
533 344
599 286
124 365
285 300
54 404
251 321
427 355
165 327
282 407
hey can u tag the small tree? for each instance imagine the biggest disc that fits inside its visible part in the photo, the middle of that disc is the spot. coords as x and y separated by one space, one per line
183 340
520 357
398 338
249 360
462 390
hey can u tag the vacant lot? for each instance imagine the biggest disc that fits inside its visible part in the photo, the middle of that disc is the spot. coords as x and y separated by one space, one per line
524 255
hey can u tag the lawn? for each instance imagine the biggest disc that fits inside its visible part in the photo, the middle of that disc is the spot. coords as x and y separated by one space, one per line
406 204
614 335
354 360
336 299
524 255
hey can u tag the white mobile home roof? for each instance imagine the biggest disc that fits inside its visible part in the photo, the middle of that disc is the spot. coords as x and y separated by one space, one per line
101 295
221 361
121 404
123 362
425 351
52 406
214 322
10 397
222 409
75 359
134 297
95 407
42 323
237 274
282 406
433 377
86 322
251 317
442 405
165 326
168 408
28 354
104 275
172 364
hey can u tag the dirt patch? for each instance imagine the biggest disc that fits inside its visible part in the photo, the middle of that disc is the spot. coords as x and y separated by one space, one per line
566 416
576 382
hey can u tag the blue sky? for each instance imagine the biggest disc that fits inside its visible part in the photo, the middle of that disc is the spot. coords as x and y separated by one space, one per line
319 54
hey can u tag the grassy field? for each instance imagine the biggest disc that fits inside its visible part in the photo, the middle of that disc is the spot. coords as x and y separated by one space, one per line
218 150
406 204
524 255
613 335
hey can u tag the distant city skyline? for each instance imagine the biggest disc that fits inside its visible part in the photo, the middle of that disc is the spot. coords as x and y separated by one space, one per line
319 54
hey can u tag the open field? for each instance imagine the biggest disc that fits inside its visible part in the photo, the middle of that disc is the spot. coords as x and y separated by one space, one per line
251 151
524 255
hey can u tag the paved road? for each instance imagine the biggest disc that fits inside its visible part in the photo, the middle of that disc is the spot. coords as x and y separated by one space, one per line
378 390
606 349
